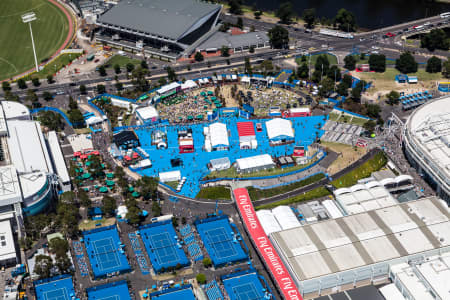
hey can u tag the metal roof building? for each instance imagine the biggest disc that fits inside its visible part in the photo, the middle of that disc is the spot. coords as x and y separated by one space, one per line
172 23
359 248
268 221
7 248
285 217
58 161
279 129
254 163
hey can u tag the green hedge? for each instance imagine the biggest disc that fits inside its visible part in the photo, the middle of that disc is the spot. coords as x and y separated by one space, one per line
376 163
214 192
256 194
313 194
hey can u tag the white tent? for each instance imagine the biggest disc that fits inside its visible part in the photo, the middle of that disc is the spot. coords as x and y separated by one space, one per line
170 176
122 211
255 163
148 113
285 217
93 120
245 79
220 164
189 84
268 221
168 88
218 135
279 129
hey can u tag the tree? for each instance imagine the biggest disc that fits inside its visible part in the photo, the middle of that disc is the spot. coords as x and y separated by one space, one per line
171 75
201 278
393 97
285 12
50 79
51 120
133 215
43 266
82 89
309 16
139 81
257 14
377 62
144 64
67 218
240 23
350 62
31 96
207 262
406 63
117 68
148 187
327 85
35 81
370 126
76 118
342 89
102 71
58 246
334 73
373 110
156 209
199 56
434 65
224 51
6 86
119 85
162 81
84 198
303 71
322 64
101 89
435 39
347 80
21 84
47 96
235 7
346 20
251 49
279 37
446 69
248 66
130 67
109 205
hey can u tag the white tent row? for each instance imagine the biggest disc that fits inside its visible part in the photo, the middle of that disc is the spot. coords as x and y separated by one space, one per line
170 176
168 88
203 81
279 128
285 217
218 164
216 135
188 84
93 121
255 163
268 221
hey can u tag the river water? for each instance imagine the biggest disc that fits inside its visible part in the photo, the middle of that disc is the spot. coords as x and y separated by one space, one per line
370 14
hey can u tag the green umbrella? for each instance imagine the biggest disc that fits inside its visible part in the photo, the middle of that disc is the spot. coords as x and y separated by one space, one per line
203 93
190 117
86 175
88 163
110 175
135 194
103 166
210 93
109 182
103 189
130 188
213 98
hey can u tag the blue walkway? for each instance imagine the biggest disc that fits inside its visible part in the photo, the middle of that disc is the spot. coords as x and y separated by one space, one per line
195 164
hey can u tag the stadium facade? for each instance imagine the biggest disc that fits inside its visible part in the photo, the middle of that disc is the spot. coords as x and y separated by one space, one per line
164 28
426 142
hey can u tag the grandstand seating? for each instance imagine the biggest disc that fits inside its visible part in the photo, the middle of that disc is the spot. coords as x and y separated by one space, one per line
138 252
81 260
213 291
189 240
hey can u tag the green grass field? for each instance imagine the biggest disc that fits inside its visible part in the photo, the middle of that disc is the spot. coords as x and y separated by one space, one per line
214 192
331 58
49 31
122 61
55 65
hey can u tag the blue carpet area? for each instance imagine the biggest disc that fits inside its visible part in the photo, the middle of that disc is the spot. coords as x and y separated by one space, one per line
195 164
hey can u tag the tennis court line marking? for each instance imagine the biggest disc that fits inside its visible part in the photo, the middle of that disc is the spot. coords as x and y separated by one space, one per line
247 286
113 297
116 258
64 295
213 244
173 251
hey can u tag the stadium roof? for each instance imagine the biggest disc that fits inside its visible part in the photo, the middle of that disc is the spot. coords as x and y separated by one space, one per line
58 157
7 248
350 242
9 186
219 39
27 147
167 18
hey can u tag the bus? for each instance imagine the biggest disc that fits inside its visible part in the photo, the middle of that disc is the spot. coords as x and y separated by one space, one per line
445 15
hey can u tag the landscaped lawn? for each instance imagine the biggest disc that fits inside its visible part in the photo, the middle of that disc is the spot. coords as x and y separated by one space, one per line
121 60
331 58
376 163
57 64
50 30
214 192
313 194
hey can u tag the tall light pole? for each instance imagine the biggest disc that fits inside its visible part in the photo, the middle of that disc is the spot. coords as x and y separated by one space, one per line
28 18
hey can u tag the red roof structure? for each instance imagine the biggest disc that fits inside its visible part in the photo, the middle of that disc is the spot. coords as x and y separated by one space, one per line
245 129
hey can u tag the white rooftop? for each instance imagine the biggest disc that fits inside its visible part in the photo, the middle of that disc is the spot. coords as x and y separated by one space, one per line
58 157
15 110
32 183
27 147
80 142
257 161
278 127
9 186
168 87
367 238
7 248
219 134
148 112
429 127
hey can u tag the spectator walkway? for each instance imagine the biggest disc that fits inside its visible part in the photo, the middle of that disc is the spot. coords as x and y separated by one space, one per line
81 259
140 257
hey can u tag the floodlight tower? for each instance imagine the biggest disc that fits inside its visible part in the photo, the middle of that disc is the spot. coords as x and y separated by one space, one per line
28 18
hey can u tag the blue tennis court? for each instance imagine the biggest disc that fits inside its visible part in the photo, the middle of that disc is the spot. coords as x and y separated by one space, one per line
55 288
194 165
162 245
110 291
245 286
184 292
220 240
105 251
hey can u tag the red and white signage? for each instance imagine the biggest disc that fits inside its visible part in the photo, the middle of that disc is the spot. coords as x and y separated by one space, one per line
265 247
